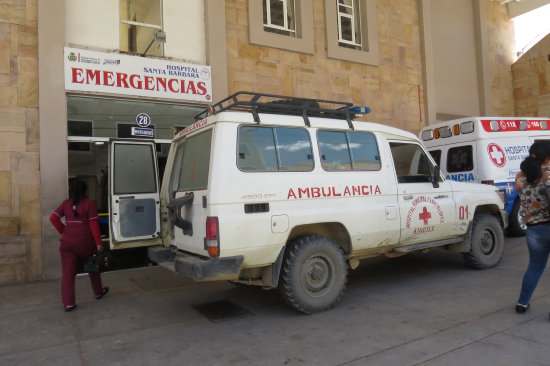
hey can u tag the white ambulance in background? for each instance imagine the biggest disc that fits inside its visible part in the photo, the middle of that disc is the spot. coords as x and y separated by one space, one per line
486 150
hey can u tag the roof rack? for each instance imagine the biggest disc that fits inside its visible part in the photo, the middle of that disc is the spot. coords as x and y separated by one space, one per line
256 103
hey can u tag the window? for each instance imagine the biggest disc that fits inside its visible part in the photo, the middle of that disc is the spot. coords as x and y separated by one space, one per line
351 27
135 164
280 17
141 27
284 24
194 155
411 163
349 23
460 159
346 151
274 149
79 128
436 155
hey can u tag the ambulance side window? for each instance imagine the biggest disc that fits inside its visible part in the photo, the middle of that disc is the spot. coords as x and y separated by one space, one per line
436 155
460 159
411 163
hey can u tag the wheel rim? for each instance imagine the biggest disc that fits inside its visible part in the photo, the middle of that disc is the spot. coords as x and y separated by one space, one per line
487 241
317 275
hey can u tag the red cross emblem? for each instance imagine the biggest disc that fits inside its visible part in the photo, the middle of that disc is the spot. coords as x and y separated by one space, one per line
425 215
497 155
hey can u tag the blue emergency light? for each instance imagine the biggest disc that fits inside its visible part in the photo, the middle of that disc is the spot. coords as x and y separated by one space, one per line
360 110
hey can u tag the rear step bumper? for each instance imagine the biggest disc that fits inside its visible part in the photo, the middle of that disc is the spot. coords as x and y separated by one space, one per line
197 268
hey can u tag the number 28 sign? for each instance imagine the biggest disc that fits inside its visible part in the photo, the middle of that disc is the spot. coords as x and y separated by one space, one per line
143 120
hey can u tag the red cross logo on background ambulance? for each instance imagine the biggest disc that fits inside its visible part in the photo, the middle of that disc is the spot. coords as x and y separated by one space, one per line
496 154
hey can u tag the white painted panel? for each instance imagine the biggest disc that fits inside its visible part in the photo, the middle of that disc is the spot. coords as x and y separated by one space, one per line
185 30
92 23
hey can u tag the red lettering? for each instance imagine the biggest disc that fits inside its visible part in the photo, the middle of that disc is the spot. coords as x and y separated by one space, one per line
356 190
161 82
377 190
334 193
133 83
121 79
291 194
93 75
149 83
77 75
108 78
191 86
326 194
304 191
365 190
316 192
170 82
347 191
201 87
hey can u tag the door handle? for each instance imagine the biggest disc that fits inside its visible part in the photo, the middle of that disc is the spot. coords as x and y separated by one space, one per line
441 196
408 197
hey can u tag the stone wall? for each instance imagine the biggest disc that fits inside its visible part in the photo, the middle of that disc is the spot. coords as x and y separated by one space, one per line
500 36
20 226
531 80
391 89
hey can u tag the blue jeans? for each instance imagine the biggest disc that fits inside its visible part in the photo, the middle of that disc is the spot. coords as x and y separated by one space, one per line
538 243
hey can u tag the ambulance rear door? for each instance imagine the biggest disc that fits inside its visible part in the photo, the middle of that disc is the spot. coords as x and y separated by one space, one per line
134 203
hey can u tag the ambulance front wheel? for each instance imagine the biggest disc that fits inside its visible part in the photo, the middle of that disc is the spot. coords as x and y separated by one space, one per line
486 242
516 226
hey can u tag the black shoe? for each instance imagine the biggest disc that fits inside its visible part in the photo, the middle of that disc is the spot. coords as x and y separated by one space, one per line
520 309
70 308
103 292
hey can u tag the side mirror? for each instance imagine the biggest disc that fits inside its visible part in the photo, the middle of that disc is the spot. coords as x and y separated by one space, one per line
436 177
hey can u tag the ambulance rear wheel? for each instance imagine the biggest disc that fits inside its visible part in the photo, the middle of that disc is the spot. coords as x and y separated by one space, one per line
314 274
516 226
486 242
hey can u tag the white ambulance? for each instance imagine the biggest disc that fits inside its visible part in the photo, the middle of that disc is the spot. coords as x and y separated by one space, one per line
486 150
290 193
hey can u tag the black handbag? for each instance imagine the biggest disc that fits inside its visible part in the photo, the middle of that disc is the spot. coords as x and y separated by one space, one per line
98 262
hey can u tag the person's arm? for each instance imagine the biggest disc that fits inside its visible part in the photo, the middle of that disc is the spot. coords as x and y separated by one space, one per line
56 222
94 224
94 228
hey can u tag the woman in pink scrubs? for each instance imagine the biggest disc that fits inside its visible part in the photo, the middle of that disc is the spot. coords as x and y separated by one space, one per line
80 238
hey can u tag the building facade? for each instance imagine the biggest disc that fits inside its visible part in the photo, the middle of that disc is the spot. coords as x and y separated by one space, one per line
105 63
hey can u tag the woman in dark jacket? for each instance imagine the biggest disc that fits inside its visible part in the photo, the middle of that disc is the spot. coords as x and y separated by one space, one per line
80 238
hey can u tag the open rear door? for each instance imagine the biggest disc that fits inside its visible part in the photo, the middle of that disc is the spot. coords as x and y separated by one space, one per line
134 204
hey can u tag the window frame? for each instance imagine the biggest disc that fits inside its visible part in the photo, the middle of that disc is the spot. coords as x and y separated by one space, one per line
351 17
350 152
368 54
277 156
303 41
285 27
469 149
144 25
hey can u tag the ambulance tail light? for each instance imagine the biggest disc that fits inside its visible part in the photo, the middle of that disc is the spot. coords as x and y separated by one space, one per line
212 240
489 182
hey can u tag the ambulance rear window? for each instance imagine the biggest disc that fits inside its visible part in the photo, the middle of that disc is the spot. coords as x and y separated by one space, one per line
460 159
194 155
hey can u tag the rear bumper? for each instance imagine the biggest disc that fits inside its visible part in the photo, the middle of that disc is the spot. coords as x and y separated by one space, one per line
197 268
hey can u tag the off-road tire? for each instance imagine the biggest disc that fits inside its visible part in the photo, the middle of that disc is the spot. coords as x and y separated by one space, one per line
487 242
314 274
514 224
